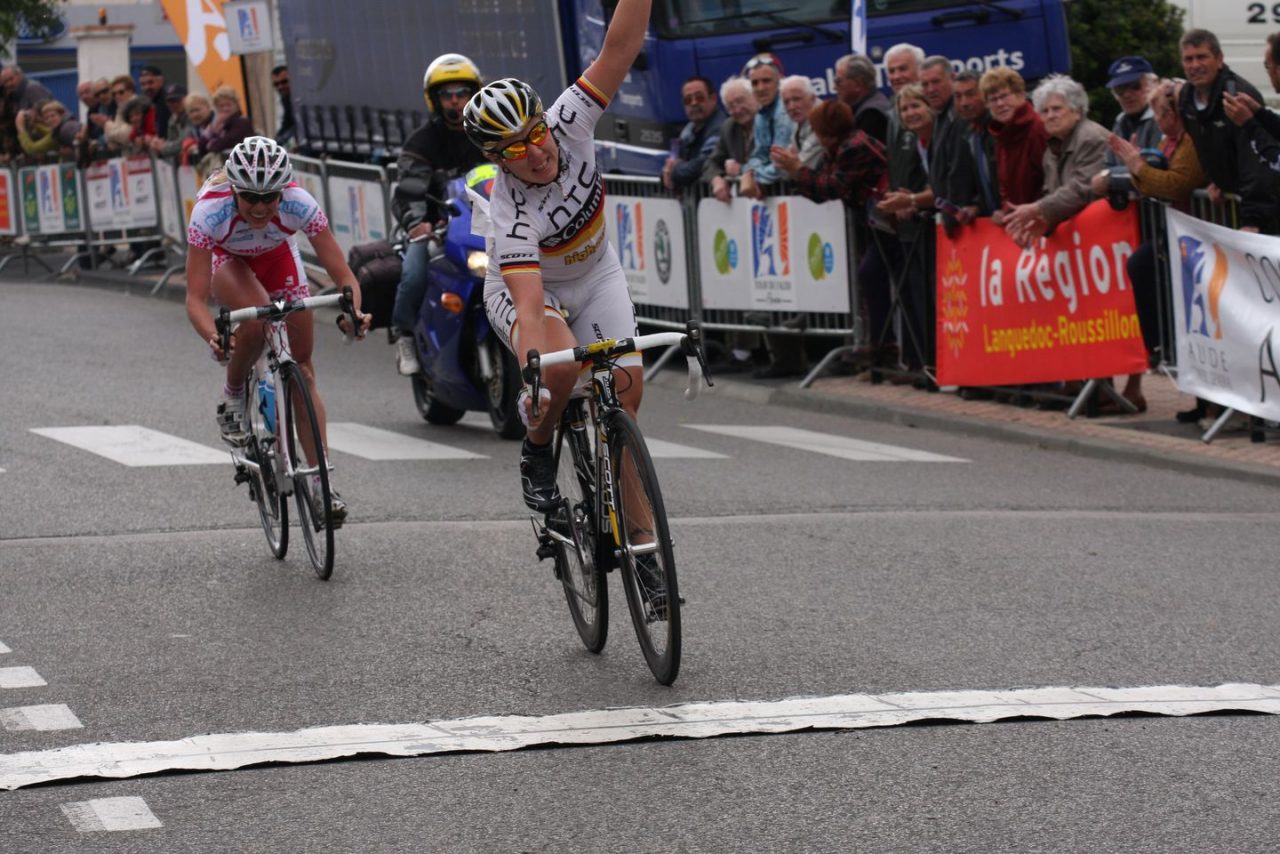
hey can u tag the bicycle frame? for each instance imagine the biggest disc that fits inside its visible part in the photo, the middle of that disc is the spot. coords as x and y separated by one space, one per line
275 355
602 401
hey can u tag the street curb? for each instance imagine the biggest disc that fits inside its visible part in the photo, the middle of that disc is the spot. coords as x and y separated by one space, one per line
810 400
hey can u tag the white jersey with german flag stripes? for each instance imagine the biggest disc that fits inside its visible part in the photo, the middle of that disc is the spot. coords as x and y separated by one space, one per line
558 228
217 225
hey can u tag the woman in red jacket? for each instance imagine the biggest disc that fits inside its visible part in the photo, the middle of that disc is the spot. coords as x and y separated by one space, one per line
1020 138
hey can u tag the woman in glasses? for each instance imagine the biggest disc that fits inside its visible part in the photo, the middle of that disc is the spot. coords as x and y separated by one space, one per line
553 279
240 247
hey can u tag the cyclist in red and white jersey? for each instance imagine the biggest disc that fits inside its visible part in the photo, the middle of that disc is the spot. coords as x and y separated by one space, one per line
554 281
240 248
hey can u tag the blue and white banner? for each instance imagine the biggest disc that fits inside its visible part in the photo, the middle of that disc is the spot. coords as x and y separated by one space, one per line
1225 288
858 27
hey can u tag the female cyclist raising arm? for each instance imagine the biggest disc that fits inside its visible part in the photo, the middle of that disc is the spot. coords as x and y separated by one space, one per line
553 280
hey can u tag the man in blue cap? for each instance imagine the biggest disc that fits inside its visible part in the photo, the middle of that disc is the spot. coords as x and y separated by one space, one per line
1131 79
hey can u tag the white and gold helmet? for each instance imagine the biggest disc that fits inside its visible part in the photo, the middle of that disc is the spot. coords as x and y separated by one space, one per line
499 112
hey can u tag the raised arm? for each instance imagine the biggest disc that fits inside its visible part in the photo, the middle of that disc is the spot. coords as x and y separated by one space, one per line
622 45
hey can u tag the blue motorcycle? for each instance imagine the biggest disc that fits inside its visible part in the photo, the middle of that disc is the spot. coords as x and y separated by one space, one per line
465 366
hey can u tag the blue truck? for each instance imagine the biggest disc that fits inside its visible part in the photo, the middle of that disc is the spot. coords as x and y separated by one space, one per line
356 68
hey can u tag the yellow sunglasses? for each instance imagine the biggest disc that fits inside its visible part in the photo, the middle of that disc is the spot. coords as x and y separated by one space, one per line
519 149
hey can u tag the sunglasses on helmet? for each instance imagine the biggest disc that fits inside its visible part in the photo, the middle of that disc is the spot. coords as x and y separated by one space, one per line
519 149
258 198
759 60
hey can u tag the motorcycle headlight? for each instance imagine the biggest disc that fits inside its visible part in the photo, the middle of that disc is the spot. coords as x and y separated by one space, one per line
478 263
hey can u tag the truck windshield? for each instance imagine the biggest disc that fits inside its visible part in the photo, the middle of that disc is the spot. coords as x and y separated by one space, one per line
722 17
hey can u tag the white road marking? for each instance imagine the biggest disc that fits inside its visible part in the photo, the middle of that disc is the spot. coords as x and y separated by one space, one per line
659 449
4 649
108 814
131 445
372 443
41 718
20 677
826 443
603 726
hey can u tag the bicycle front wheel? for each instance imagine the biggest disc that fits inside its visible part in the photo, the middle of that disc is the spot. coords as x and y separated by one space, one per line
578 564
273 507
311 491
644 544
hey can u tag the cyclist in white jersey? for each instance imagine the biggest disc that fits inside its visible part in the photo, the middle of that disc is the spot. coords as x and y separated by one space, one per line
240 248
554 281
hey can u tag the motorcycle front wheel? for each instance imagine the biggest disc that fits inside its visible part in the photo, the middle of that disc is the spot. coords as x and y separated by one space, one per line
502 389
429 407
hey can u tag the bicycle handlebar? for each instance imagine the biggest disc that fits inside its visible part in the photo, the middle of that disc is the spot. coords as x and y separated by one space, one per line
227 318
689 341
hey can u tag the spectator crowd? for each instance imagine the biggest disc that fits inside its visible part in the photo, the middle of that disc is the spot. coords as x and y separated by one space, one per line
952 147
125 117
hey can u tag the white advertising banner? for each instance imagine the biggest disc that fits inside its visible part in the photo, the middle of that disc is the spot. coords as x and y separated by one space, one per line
141 192
118 197
785 253
648 235
248 25
97 191
50 198
172 223
357 211
1226 304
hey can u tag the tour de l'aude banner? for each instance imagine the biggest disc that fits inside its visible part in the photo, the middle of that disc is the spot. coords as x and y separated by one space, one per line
1061 309
1226 306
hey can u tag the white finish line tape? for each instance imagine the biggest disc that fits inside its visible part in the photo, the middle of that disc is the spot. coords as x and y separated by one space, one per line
222 752
110 814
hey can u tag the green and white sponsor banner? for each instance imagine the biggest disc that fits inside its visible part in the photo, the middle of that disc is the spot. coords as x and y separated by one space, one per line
357 211
50 199
648 235
724 240
1225 288
785 253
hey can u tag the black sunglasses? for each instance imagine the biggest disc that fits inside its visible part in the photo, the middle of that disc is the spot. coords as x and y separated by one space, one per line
258 198
279 84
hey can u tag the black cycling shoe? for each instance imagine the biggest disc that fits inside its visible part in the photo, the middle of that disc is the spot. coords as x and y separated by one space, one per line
538 477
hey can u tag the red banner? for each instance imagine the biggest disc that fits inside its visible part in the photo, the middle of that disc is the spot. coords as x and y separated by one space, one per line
1061 310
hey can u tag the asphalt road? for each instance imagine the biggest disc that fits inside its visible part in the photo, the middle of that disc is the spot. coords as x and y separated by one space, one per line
146 600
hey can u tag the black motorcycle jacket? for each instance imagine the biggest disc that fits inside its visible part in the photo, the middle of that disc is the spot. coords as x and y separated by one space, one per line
432 156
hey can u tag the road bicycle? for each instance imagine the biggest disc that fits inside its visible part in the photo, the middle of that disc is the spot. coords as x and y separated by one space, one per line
611 512
285 455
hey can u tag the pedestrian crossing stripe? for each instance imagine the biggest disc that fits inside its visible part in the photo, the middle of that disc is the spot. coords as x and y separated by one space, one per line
373 443
136 446
131 445
844 447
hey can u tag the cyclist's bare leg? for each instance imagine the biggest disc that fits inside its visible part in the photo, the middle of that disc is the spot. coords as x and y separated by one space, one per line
630 385
235 286
557 379
301 341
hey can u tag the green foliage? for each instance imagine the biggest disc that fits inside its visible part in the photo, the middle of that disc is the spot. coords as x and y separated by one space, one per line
1102 31
38 15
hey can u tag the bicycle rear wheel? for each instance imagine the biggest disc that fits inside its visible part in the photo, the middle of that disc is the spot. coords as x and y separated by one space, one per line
644 543
310 481
273 507
578 564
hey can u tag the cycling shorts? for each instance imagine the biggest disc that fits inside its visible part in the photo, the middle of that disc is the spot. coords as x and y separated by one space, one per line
279 270
595 307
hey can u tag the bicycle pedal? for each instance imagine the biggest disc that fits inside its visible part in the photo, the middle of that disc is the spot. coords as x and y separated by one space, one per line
546 549
243 476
